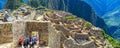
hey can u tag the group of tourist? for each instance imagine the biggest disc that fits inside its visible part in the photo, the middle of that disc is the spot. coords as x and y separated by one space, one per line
28 41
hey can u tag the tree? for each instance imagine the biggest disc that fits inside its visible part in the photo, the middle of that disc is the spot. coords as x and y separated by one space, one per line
34 3
14 4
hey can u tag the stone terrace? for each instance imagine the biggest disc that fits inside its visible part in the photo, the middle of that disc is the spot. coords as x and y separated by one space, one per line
53 28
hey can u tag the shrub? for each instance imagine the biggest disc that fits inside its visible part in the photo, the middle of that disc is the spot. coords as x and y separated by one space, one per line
40 7
115 43
48 12
87 24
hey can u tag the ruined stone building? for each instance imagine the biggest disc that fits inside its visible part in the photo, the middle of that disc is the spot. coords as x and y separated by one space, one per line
11 32
55 29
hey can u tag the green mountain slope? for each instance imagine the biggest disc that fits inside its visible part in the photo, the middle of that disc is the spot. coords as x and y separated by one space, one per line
14 4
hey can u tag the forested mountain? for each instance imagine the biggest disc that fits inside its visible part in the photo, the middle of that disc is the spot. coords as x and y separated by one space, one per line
13 4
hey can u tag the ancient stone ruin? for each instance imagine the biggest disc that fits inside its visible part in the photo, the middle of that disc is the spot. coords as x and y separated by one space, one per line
55 29
47 33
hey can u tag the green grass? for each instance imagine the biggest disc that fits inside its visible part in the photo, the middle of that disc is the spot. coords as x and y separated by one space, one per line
115 43
48 12
87 24
40 7
70 17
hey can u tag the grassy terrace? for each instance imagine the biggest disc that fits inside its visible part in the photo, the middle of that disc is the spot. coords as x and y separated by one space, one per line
115 43
70 17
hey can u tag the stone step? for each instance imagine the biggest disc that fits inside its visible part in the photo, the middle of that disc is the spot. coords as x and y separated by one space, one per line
6 45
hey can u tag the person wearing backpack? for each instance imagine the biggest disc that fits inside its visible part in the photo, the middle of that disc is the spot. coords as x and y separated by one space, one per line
31 42
20 42
26 42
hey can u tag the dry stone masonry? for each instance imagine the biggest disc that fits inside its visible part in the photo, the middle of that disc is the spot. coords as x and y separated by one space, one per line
18 31
6 32
57 29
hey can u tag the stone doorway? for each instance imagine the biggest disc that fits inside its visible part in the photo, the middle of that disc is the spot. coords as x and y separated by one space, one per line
41 37
40 30
35 34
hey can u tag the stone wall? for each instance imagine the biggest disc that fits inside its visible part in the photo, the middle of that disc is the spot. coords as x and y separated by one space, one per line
54 38
89 44
70 43
37 25
18 31
6 33
25 28
64 30
81 36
